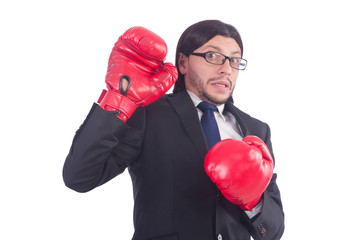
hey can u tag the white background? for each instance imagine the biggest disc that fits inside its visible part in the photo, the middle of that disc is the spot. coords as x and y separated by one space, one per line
303 79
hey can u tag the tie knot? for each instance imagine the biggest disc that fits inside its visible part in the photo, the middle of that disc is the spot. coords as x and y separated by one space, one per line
204 106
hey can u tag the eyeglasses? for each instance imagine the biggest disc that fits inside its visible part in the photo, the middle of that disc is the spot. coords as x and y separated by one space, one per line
219 59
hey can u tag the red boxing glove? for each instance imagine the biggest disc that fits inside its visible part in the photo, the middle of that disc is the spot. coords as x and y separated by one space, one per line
240 169
136 74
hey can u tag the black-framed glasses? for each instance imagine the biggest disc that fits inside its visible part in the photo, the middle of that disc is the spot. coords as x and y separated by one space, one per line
219 59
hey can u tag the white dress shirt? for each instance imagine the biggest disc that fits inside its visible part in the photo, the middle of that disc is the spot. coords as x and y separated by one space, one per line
228 128
227 124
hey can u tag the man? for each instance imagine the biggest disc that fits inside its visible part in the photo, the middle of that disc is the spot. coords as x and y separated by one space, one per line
187 183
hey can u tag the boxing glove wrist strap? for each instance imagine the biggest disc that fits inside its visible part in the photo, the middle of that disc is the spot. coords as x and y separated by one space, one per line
249 206
112 101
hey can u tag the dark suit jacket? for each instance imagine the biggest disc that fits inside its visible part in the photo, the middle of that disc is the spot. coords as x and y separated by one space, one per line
163 147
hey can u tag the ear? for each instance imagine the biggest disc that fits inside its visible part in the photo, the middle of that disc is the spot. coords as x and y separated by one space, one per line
182 63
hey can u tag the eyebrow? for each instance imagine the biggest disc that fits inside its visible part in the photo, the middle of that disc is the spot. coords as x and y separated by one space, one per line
219 49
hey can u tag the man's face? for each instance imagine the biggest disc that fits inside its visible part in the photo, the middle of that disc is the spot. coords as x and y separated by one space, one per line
211 83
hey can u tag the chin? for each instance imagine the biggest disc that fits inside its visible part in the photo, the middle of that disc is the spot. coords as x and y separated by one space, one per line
216 100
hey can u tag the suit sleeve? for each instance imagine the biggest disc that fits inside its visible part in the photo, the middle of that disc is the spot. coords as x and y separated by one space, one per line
101 149
269 224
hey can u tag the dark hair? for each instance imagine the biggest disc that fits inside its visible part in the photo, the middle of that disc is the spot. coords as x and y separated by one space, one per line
197 35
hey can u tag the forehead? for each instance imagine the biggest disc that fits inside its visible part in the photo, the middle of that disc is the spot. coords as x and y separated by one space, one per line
225 45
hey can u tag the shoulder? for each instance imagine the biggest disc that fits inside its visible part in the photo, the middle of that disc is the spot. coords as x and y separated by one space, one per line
168 106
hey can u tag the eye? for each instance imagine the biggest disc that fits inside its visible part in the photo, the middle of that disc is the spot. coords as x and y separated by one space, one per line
211 55
235 60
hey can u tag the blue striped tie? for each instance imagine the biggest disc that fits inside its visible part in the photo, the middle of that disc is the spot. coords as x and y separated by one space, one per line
208 123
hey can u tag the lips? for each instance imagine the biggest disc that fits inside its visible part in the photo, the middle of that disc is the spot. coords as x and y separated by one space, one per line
221 84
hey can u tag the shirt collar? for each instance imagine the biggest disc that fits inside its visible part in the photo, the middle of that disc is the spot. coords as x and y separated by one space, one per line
196 100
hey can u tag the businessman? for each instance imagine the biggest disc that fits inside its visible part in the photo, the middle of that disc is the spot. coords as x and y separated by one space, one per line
201 168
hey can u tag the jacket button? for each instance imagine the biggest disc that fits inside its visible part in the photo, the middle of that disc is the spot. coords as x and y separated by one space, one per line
219 237
262 229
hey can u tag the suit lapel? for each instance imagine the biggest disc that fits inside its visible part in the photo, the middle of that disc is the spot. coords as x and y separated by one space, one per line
186 111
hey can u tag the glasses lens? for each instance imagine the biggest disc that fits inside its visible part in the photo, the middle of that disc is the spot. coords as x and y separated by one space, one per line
219 59
238 63
235 62
215 58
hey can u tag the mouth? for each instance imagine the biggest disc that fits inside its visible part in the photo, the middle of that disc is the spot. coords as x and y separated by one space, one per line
221 84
